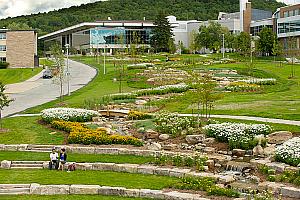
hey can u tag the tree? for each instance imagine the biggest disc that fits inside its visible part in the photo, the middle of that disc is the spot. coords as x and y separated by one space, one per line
59 68
162 34
4 101
266 41
192 42
277 49
244 42
205 90
18 26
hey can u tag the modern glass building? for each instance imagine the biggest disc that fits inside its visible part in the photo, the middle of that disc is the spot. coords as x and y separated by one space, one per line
99 35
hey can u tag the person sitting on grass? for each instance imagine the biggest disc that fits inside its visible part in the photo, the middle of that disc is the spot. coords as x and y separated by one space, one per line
53 159
62 159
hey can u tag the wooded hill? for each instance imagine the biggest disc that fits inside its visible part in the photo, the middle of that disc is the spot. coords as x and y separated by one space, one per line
133 10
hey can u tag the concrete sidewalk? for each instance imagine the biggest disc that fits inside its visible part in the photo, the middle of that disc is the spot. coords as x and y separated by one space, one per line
37 91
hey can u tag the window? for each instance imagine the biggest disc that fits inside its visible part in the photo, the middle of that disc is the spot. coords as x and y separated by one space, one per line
2 59
2 47
297 12
291 13
286 14
2 36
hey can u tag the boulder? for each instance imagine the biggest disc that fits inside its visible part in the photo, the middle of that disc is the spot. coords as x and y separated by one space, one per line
279 137
291 192
209 140
5 164
154 146
84 189
238 152
258 151
194 139
164 137
151 134
270 150
169 147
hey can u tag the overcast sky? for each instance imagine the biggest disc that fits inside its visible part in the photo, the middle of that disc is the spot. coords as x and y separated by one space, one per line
12 8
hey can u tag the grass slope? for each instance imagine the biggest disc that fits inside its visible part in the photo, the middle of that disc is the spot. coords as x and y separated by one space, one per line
9 76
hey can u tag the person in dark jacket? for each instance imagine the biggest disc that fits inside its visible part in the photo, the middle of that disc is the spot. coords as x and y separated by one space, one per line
62 159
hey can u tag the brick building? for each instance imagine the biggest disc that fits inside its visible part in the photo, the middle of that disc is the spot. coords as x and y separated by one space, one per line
19 48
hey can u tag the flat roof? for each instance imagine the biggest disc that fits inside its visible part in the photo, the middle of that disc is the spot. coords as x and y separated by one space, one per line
87 25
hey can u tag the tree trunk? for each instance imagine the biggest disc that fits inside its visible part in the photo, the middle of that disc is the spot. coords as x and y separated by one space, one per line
0 119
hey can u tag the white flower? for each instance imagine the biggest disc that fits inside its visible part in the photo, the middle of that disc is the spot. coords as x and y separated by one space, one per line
68 114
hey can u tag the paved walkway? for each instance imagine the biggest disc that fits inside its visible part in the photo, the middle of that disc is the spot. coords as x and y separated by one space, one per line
37 91
259 119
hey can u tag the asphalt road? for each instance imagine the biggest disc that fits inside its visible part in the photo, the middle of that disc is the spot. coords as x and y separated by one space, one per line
37 91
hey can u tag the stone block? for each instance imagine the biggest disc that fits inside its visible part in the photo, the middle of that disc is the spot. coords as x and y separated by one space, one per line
84 189
104 166
5 164
130 168
2 147
46 164
278 167
84 166
11 147
146 169
111 151
132 193
174 195
226 179
117 191
176 172
83 150
152 194
124 151
290 192
162 171
53 189
35 189
22 147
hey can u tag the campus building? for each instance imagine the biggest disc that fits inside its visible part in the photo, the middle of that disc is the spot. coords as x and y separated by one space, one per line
102 35
18 48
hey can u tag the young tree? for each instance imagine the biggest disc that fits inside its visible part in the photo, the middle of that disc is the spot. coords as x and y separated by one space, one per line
192 40
4 101
59 68
244 42
277 49
266 41
162 34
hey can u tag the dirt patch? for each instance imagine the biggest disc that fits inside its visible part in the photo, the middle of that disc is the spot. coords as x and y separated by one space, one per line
3 130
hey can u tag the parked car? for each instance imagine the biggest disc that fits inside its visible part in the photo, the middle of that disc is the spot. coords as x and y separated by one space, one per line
47 74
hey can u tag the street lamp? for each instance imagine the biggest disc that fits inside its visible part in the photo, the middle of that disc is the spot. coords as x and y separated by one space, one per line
104 67
68 70
223 45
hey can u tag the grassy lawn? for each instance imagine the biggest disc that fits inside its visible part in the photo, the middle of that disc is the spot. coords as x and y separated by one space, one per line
279 101
37 156
67 197
46 62
117 179
9 76
26 130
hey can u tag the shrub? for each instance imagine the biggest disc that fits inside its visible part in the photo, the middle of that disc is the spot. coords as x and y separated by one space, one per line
261 81
136 115
68 114
238 135
4 65
170 123
289 152
80 134
166 89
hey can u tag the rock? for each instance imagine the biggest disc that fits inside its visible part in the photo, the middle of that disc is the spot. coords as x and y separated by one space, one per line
258 151
151 134
140 102
5 164
169 147
209 150
226 179
141 130
164 137
210 164
270 150
238 152
291 192
209 140
154 146
279 137
84 189
108 126
194 139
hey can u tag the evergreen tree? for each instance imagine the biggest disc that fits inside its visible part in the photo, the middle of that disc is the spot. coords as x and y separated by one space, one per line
162 34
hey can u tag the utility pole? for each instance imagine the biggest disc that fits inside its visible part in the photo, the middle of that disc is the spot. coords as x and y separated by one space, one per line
104 67
68 70
223 45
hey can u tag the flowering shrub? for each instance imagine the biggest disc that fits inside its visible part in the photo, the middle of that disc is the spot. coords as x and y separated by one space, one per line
289 152
136 115
80 134
68 114
238 135
170 123
166 89
261 81
242 87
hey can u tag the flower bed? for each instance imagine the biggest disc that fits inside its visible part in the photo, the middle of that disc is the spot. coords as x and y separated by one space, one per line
261 81
136 115
80 134
166 89
170 123
238 135
289 152
242 87
68 114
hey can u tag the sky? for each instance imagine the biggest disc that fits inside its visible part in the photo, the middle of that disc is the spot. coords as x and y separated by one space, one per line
12 8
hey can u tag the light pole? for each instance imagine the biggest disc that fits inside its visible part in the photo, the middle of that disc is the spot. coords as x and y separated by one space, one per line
104 67
68 72
223 45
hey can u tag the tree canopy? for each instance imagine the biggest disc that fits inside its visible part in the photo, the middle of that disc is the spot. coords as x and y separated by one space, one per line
133 10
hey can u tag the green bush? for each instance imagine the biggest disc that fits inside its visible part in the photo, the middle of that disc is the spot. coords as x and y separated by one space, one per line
4 65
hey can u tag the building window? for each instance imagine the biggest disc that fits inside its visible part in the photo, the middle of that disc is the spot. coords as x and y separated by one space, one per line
2 59
286 14
2 36
291 13
2 47
297 12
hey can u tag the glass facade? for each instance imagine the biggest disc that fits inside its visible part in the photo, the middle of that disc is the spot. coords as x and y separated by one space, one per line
2 36
289 27
120 35
256 30
2 48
